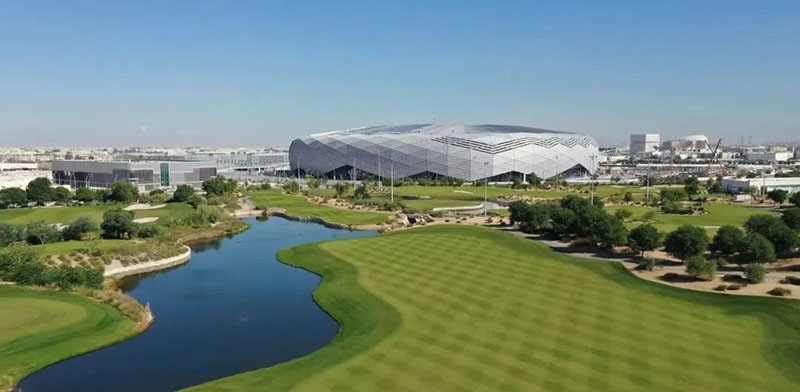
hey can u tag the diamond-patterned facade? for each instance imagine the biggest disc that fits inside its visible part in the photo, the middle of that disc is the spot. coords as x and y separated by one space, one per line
469 152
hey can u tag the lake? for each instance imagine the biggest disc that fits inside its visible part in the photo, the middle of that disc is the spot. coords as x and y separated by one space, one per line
231 309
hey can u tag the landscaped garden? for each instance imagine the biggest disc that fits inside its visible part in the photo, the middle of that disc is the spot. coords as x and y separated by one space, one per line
299 206
464 308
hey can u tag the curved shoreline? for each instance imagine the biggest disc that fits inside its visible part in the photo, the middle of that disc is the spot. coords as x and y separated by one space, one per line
149 266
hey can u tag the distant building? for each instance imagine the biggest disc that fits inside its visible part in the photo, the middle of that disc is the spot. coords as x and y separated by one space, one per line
769 155
694 143
763 184
145 175
643 144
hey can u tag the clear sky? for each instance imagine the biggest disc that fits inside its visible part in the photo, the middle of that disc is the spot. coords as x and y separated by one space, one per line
265 72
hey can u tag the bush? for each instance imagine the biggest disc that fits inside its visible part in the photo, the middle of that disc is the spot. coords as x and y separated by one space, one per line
649 216
118 223
721 287
291 187
734 286
10 197
147 231
780 292
219 186
755 273
266 186
85 195
182 194
78 228
623 214
37 233
700 268
791 280
673 194
10 234
791 218
645 265
61 195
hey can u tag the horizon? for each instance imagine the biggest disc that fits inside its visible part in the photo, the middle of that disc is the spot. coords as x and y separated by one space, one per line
228 75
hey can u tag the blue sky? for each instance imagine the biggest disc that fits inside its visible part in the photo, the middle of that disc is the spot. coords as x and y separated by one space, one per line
265 72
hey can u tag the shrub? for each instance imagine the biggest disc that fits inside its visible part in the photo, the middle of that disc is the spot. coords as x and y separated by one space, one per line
649 216
147 231
10 234
61 195
780 292
182 194
673 194
219 186
118 223
623 214
755 272
721 287
10 197
266 186
78 228
686 241
734 286
791 280
700 268
37 233
85 195
791 217
645 265
291 187
728 240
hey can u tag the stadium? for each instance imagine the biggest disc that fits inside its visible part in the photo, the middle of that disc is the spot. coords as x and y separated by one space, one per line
468 152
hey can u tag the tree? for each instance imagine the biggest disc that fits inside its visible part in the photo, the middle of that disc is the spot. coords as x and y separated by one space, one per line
519 211
61 195
361 193
700 268
21 264
85 195
219 186
775 230
341 189
644 238
40 190
728 240
714 186
627 197
10 197
686 241
183 193
692 186
123 192
649 216
795 199
291 187
791 218
39 232
778 196
755 272
561 220
757 249
623 214
118 223
534 180
602 227
760 223
78 228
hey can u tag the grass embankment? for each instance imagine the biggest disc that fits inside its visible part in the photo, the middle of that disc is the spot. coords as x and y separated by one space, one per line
41 326
464 308
717 214
299 206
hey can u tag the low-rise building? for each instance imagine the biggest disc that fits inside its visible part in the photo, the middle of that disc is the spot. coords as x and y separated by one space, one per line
644 144
763 184
145 175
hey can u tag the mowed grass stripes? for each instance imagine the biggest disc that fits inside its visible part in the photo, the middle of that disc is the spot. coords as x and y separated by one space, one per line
455 308
41 326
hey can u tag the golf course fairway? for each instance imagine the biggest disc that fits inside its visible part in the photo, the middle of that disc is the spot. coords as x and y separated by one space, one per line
41 326
455 308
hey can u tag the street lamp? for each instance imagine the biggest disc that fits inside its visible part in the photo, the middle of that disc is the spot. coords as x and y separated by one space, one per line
485 186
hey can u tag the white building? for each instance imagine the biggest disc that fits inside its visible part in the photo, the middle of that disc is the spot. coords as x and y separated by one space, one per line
764 185
643 144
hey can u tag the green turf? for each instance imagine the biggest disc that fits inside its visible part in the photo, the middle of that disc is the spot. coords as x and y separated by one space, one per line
301 207
717 214
39 327
21 216
174 210
455 308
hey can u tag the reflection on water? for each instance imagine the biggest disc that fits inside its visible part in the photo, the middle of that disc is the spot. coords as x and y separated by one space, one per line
232 308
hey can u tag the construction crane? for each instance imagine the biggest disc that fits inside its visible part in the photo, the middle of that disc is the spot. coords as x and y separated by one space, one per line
713 157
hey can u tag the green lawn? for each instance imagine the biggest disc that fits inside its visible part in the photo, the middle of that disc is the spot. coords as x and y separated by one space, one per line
717 214
39 327
21 216
300 206
458 308
175 210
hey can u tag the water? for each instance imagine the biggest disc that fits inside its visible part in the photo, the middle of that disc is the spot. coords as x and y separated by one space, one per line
232 308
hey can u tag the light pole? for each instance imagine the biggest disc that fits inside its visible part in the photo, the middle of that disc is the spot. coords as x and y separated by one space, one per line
591 180
485 187
392 184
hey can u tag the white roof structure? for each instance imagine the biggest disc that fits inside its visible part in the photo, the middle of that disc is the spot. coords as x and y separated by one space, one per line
469 152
